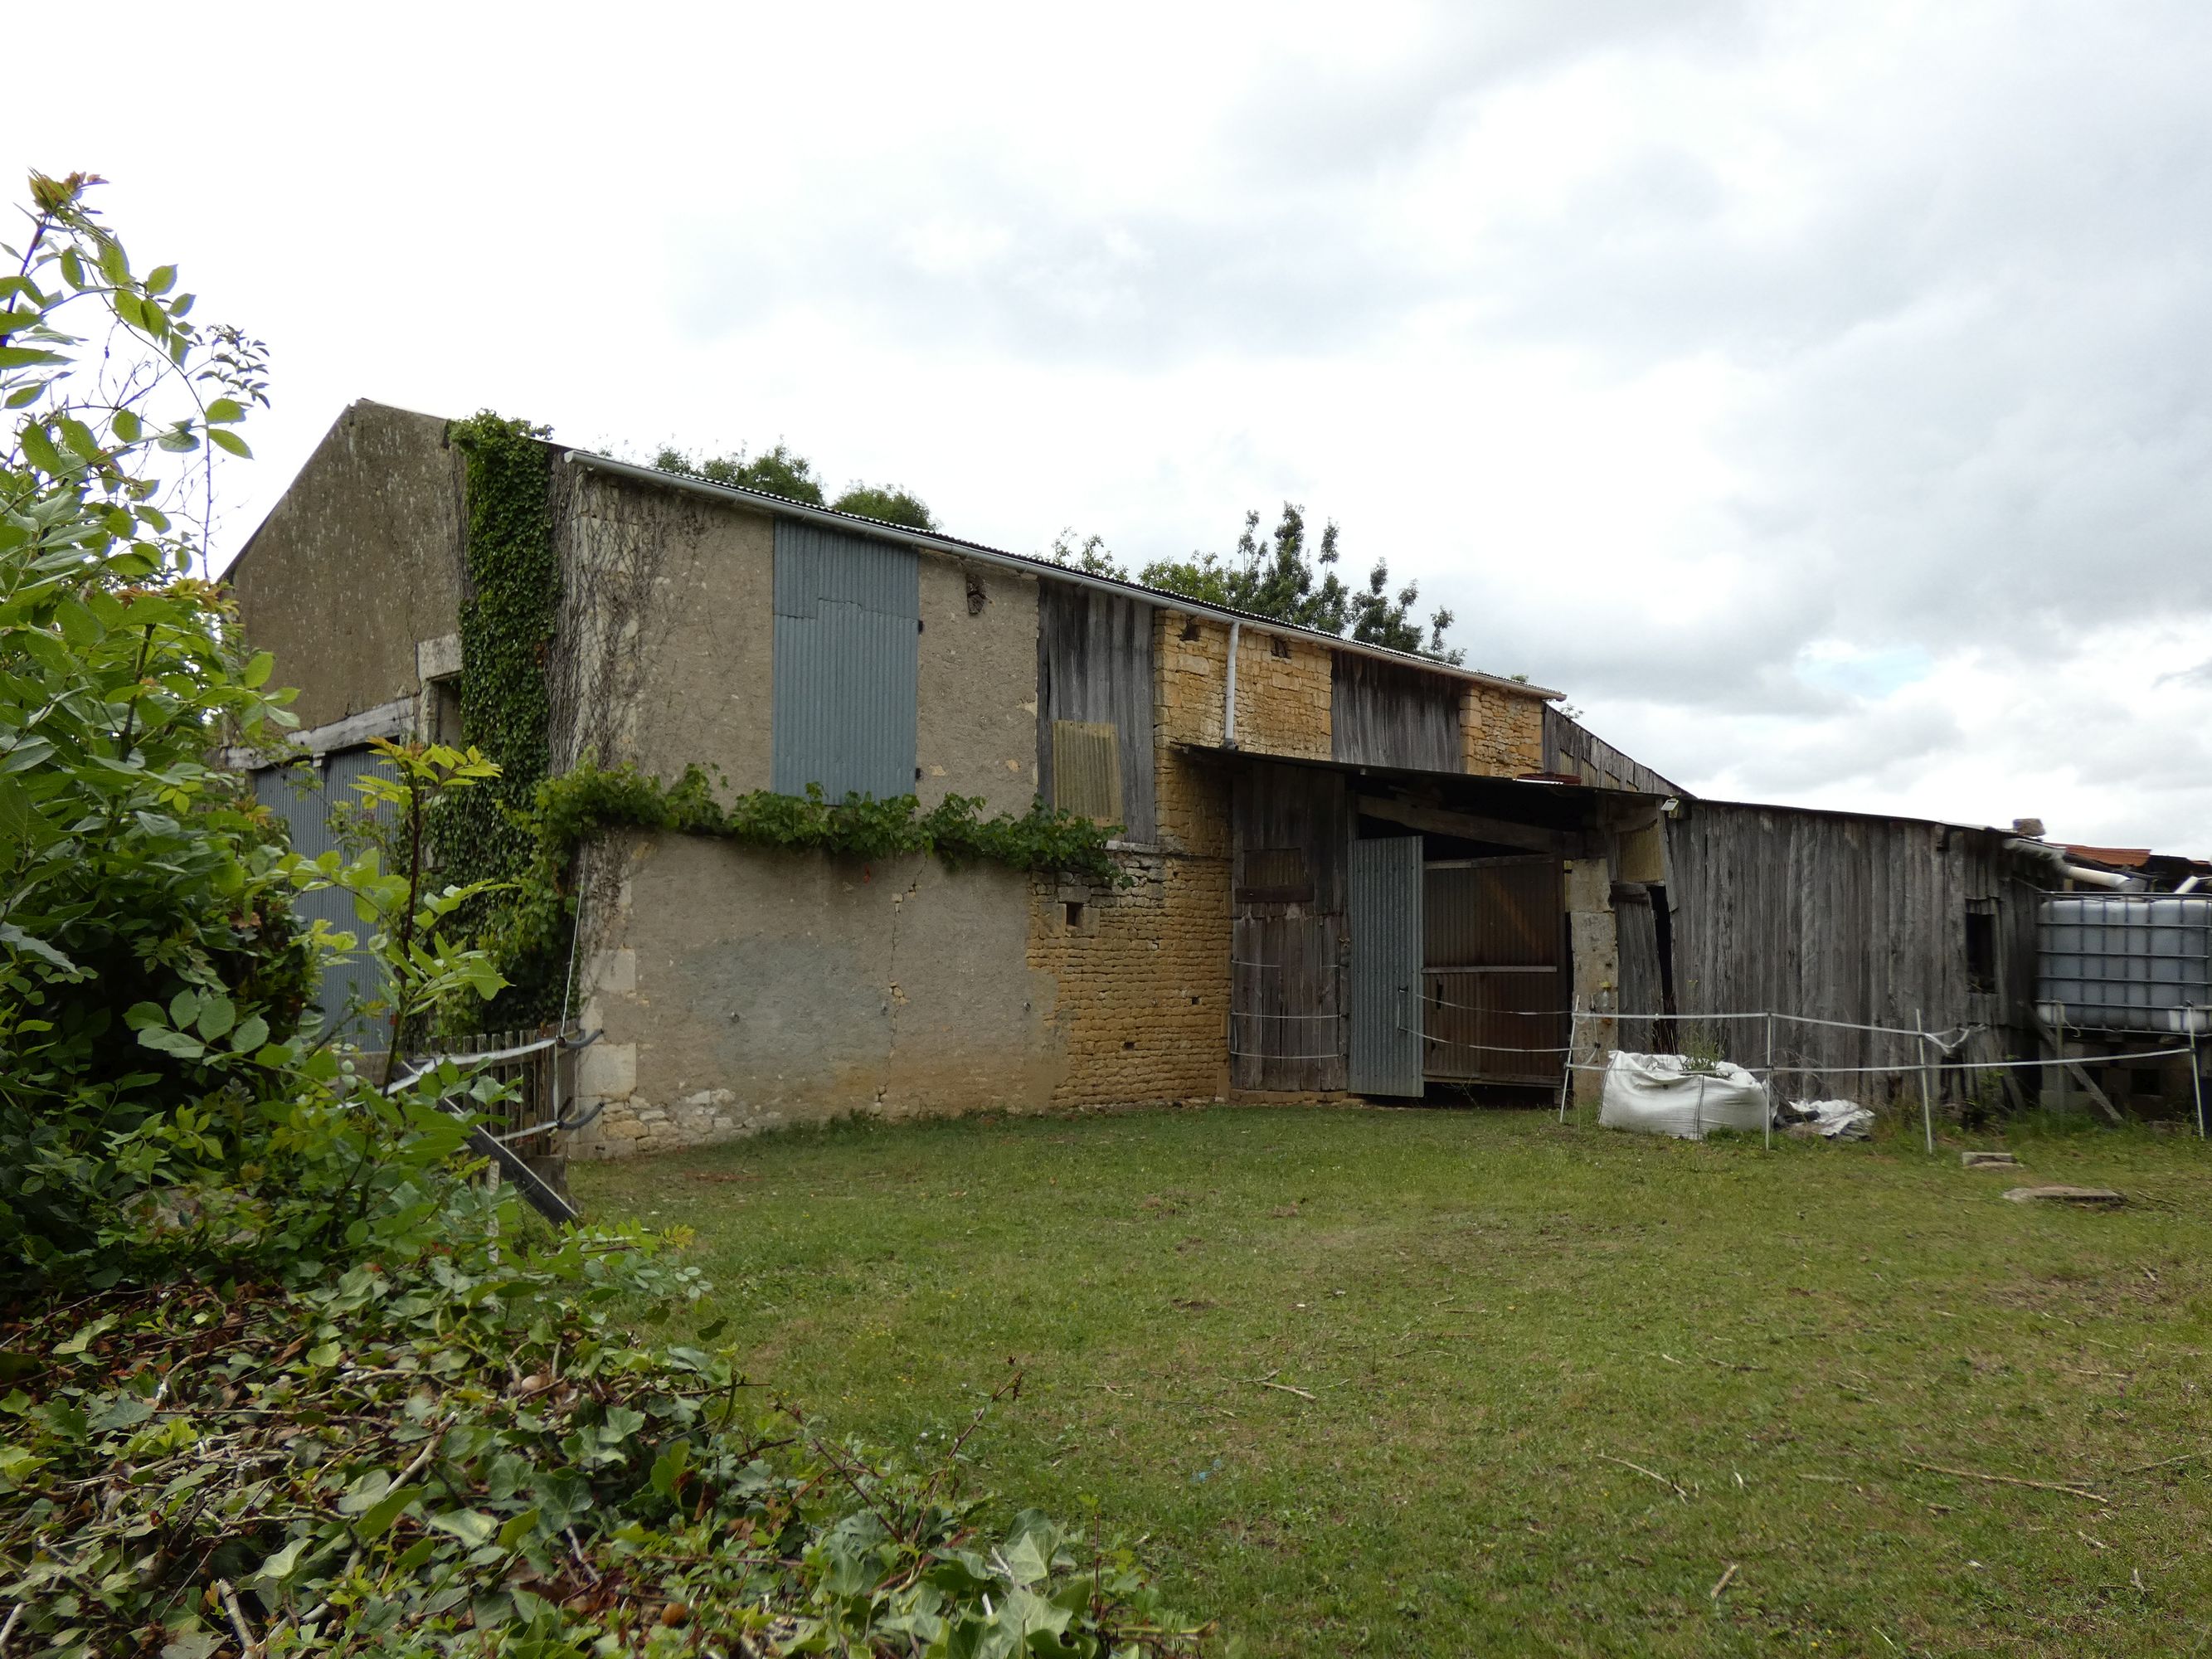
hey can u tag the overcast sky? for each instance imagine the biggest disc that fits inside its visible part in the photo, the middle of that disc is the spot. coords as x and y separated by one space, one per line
1819 395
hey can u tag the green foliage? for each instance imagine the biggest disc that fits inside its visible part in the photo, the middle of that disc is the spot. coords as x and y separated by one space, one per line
888 505
1091 555
774 471
164 1097
779 471
463 1455
507 619
1280 577
135 870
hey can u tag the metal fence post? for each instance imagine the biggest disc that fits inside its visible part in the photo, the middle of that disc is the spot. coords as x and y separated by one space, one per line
1770 1080
1567 1065
2196 1073
1920 1052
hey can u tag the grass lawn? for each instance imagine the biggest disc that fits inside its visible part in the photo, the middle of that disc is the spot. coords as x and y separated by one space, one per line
1540 1389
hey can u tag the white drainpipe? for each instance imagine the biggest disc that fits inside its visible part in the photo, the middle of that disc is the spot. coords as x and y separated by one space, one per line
2057 861
1229 698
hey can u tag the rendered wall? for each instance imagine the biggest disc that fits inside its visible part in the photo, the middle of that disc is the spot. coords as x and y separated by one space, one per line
665 650
358 563
740 988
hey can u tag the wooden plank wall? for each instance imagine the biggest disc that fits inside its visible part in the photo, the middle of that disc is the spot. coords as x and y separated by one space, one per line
1095 663
1572 749
1843 917
1288 992
1382 714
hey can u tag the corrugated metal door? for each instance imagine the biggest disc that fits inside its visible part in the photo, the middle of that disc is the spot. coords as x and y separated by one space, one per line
1493 970
302 796
1386 966
848 611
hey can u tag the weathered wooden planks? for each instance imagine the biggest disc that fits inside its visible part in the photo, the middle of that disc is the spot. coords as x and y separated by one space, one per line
1095 666
1844 917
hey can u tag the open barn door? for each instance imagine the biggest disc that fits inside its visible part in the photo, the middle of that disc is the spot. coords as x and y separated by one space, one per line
1386 966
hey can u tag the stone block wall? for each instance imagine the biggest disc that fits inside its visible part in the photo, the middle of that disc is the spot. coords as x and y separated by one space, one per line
1284 688
1501 732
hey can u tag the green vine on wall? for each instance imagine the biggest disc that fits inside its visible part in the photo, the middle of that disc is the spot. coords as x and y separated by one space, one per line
508 615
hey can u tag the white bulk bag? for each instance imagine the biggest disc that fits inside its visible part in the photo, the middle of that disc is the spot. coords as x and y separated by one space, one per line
1661 1095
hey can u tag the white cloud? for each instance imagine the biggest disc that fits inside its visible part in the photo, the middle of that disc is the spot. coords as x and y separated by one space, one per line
1818 394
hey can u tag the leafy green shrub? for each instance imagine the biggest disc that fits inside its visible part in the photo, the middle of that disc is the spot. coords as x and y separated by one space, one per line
465 1456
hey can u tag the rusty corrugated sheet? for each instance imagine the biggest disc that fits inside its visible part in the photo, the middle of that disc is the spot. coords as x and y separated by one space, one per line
847 612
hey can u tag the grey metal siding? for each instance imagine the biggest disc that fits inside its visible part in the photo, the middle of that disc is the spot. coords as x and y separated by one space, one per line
1095 665
1386 966
303 797
848 611
1381 714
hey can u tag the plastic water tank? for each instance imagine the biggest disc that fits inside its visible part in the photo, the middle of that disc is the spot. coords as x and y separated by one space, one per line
2126 962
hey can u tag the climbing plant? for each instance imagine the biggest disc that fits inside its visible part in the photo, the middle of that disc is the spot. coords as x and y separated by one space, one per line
507 613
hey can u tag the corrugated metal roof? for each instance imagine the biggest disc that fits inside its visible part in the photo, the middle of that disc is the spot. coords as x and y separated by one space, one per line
936 541
2123 858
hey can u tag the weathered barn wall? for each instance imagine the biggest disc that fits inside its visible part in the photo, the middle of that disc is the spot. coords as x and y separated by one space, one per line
1501 732
1572 749
668 655
359 563
1839 916
1095 663
1289 1025
977 717
1382 714
664 658
740 988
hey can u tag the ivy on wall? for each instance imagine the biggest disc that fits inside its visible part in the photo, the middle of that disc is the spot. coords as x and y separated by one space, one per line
507 613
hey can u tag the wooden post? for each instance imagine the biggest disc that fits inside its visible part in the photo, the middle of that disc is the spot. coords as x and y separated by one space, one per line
1926 1106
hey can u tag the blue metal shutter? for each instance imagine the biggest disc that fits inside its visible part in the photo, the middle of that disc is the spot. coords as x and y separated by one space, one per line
848 611
1386 966
303 795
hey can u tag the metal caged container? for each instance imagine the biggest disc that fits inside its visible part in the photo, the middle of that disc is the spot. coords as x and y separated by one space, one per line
2126 962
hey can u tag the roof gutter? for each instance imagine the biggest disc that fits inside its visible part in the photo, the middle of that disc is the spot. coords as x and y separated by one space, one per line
953 548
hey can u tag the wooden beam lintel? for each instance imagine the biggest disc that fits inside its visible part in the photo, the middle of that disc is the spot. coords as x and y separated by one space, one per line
1474 826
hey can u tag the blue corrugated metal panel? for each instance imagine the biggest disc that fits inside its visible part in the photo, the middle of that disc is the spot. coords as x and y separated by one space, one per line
303 797
1386 966
848 611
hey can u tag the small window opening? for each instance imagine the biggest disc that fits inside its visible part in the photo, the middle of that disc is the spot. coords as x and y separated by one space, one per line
1279 645
1190 629
445 711
976 597
1981 946
1074 914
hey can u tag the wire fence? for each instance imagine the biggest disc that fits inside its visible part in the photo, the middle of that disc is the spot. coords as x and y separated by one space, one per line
1933 1056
